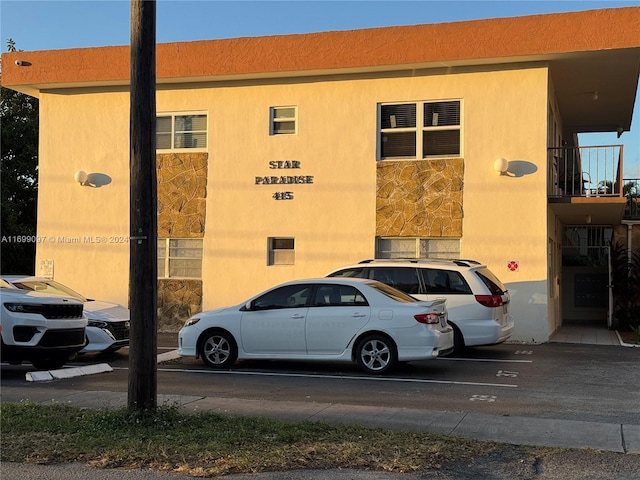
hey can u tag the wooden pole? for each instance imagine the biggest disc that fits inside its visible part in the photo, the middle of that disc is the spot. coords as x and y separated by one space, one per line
143 264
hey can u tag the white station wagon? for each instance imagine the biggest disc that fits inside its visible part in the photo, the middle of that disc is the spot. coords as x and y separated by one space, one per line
477 301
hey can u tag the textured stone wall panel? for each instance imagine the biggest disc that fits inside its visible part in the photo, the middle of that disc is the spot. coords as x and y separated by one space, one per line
182 192
421 198
177 301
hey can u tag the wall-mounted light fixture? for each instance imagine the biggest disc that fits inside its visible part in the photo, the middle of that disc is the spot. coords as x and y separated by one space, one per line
501 166
588 219
81 177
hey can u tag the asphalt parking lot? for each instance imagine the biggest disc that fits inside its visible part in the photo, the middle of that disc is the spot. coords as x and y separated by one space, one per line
550 381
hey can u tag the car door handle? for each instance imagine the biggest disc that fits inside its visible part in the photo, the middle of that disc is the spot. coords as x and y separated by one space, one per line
297 316
358 315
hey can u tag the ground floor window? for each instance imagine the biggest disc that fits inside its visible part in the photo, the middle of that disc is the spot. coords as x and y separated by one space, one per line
281 251
415 247
180 258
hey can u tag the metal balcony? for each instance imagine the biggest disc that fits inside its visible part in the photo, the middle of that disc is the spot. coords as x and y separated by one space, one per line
585 184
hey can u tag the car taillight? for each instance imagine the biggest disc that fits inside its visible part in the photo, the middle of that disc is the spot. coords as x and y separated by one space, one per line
490 301
427 318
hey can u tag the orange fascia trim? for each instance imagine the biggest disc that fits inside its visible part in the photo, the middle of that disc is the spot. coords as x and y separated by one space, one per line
353 50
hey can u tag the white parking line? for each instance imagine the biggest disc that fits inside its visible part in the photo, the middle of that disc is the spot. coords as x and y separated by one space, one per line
335 377
496 360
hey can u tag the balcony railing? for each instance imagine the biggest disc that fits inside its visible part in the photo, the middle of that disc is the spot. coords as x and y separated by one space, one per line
592 172
585 171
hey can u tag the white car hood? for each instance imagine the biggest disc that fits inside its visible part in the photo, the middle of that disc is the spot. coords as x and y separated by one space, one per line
218 311
25 296
98 310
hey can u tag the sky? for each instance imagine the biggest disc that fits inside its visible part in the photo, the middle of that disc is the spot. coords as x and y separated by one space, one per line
53 24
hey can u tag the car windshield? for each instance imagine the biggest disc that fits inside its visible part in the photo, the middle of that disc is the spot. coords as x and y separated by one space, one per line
392 293
48 286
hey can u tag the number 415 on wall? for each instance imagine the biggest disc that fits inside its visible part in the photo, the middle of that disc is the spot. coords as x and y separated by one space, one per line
283 195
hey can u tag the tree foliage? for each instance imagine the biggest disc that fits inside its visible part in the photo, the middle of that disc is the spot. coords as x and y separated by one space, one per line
19 179
625 269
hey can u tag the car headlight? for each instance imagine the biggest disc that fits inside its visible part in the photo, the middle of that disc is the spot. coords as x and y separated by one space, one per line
191 321
97 323
17 307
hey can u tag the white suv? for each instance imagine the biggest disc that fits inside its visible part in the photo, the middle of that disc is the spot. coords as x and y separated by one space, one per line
46 330
477 301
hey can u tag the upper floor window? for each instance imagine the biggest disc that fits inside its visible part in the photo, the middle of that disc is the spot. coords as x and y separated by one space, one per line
283 121
180 258
180 131
419 130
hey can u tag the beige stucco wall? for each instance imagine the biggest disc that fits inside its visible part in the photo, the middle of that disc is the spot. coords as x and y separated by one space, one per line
91 133
333 219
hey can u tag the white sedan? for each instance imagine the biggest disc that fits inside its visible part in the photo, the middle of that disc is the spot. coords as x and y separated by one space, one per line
108 327
330 319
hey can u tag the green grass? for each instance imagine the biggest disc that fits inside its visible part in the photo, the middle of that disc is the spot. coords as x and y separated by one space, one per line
207 444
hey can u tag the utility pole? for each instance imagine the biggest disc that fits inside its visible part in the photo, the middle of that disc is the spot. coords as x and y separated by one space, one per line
143 242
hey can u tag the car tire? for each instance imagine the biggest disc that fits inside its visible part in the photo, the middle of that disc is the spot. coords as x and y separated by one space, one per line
376 354
218 349
458 340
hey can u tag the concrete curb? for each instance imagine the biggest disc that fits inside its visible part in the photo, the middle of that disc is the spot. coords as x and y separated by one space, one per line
167 356
48 375
632 345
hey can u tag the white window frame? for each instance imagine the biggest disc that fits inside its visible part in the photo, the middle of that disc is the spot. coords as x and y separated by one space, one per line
167 258
274 120
173 116
419 129
280 256
419 249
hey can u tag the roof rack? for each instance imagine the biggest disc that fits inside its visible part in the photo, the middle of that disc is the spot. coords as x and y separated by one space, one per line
465 262
462 262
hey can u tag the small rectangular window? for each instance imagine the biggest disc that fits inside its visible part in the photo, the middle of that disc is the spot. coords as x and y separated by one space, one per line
178 131
281 251
283 121
180 258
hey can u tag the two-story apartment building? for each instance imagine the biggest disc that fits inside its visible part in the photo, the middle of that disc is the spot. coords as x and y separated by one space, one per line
288 156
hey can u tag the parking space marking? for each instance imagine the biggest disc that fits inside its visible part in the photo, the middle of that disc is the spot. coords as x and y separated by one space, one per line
495 360
335 377
483 398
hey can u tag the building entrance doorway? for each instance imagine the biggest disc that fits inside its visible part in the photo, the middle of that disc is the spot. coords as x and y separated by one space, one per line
586 296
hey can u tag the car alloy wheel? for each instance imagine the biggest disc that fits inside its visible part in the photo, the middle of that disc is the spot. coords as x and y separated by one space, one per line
376 354
218 349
